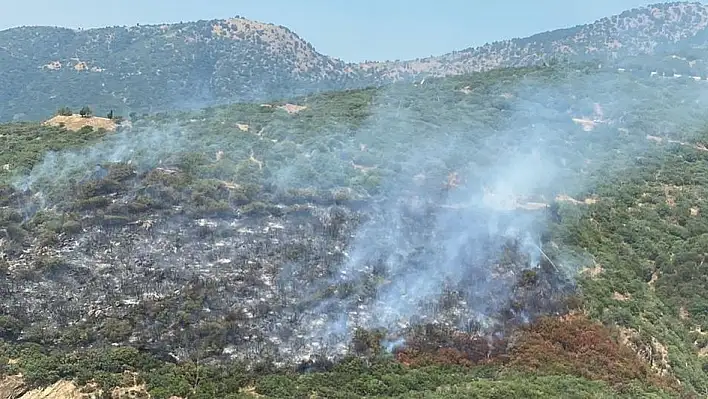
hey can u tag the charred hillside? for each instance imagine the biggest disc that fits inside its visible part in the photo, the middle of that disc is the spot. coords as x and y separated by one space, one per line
521 230
250 282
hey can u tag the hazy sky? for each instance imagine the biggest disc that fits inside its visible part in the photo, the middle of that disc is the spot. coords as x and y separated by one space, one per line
351 30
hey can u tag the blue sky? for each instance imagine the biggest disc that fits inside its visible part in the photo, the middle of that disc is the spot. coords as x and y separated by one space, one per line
350 30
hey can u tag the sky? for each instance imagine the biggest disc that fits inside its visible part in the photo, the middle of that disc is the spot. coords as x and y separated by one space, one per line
349 30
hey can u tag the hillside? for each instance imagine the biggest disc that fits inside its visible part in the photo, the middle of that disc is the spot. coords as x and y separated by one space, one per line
673 34
466 237
150 68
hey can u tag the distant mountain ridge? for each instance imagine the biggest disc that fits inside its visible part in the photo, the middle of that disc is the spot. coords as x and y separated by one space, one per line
157 67
650 30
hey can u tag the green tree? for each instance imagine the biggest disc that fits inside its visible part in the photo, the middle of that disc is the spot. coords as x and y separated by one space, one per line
65 111
85 112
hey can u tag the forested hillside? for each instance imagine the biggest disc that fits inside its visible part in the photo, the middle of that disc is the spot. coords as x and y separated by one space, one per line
189 65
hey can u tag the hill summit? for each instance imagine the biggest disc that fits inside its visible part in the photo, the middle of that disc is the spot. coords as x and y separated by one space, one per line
76 122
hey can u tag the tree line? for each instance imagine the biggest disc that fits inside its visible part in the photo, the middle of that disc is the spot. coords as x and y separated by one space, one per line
85 112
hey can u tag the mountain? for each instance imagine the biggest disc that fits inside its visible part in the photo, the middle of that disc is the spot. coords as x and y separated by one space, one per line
655 30
187 65
158 67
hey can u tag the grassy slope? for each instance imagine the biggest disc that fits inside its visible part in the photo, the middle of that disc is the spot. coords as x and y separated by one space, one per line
642 233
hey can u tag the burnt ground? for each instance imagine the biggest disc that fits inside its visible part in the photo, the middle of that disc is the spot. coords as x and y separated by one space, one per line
280 277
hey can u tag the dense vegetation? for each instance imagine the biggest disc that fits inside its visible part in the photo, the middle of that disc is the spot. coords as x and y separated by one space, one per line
629 324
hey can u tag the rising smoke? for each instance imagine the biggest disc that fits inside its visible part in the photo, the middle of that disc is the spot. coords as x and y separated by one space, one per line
442 225
425 242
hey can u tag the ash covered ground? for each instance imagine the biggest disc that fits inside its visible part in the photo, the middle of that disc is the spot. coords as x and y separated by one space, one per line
289 281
